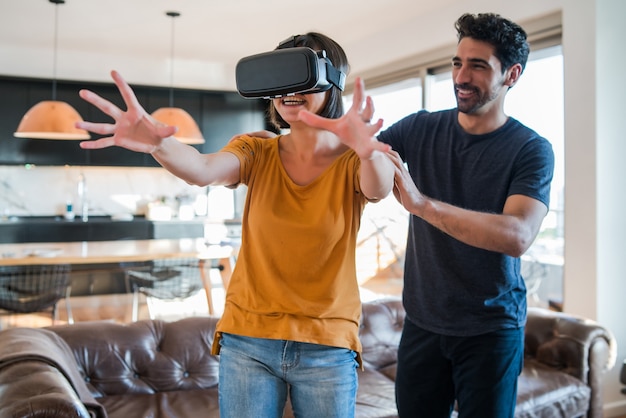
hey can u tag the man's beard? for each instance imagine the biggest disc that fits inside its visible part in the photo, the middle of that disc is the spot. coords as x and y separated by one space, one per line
472 104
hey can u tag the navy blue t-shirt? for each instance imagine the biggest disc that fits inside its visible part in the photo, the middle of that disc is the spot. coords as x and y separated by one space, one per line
452 288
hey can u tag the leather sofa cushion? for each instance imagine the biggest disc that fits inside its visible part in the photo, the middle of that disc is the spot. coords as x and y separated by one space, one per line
376 396
178 403
546 392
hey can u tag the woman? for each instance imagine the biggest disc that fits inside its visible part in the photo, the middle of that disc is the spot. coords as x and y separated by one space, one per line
292 311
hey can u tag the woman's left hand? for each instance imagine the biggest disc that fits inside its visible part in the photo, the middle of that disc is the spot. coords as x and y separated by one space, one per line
354 128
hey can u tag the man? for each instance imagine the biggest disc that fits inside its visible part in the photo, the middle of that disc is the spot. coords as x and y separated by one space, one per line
477 191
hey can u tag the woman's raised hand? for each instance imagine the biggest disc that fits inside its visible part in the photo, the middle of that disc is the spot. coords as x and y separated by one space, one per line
354 128
133 129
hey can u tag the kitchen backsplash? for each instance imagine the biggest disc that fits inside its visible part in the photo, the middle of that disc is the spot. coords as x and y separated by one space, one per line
45 191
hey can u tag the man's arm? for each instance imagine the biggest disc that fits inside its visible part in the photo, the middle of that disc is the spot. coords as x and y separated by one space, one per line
512 232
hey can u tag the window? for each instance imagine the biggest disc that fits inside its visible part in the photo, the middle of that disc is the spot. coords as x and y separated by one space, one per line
536 101
382 237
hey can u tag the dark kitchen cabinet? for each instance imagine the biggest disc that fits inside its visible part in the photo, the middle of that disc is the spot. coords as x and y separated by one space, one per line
10 233
56 229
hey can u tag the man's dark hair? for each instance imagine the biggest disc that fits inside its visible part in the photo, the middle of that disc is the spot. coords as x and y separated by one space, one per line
333 109
507 38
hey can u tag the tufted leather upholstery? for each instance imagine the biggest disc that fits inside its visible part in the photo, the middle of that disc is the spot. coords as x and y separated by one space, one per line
158 369
566 357
144 357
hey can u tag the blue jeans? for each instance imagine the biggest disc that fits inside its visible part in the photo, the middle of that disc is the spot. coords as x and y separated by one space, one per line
257 375
479 372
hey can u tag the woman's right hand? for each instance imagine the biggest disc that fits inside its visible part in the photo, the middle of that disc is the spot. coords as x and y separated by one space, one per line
134 129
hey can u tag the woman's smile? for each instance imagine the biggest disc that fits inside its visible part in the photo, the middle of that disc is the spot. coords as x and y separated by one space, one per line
293 101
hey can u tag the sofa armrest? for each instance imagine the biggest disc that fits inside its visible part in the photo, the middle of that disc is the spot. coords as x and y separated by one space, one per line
577 346
34 389
36 346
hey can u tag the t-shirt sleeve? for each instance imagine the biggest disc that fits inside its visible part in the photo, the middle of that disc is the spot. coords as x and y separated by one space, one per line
246 149
534 171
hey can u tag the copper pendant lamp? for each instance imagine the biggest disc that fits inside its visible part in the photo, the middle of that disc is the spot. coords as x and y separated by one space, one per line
188 131
52 119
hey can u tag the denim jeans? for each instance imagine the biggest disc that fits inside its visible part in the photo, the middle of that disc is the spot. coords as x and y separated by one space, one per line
480 372
257 375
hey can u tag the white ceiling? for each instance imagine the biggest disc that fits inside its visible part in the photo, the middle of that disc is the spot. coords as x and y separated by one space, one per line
134 36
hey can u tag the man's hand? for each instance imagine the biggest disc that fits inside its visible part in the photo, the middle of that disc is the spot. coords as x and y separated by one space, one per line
404 188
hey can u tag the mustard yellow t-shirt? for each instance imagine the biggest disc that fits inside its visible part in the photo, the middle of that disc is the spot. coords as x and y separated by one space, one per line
295 276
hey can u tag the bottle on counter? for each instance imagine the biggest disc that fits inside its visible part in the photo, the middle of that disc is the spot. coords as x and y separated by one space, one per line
69 211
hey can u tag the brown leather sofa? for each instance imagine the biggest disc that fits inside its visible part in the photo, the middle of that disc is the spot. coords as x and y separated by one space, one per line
157 369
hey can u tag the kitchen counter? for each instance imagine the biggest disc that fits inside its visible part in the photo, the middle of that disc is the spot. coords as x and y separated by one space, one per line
97 265
103 252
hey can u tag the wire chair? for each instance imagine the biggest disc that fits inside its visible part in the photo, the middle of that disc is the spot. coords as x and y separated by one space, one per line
35 288
165 279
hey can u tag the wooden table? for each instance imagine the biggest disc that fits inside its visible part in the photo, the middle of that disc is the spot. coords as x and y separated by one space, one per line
105 252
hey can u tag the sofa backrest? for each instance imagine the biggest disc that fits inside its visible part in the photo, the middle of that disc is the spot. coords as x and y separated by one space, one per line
380 331
152 356
144 357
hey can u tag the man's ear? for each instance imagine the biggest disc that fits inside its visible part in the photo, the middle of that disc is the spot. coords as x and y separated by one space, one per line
513 74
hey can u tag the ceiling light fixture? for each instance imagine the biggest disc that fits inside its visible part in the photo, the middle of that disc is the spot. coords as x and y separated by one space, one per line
52 119
188 131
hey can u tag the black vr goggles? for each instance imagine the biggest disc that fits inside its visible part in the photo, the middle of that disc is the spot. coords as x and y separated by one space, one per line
284 72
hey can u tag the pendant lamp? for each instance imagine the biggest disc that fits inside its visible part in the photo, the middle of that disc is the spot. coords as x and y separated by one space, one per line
52 119
188 131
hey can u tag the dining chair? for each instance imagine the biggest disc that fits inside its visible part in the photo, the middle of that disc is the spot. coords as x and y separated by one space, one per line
172 279
35 288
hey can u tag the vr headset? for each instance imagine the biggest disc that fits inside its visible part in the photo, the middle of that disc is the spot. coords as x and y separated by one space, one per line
284 72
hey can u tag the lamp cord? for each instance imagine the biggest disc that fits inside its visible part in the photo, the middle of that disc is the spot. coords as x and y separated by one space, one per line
173 15
54 59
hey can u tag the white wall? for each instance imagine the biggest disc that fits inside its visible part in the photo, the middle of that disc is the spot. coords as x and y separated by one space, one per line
44 190
595 175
